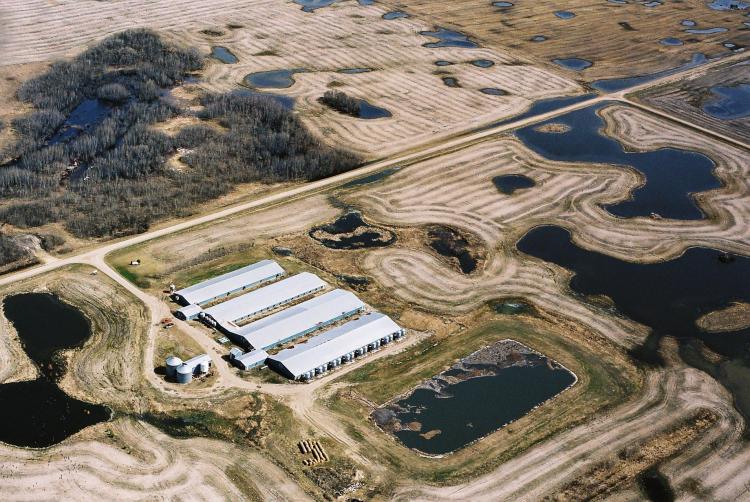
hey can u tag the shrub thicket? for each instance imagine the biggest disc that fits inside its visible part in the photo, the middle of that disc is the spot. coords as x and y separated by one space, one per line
341 102
108 177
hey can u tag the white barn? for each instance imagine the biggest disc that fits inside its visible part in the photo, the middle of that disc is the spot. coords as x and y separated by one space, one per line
339 345
263 300
226 284
296 321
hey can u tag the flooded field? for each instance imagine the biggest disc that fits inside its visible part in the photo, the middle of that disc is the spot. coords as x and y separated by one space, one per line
672 175
478 395
729 102
38 413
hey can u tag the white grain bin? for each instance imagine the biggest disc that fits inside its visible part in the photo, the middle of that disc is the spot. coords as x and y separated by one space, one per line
184 374
173 362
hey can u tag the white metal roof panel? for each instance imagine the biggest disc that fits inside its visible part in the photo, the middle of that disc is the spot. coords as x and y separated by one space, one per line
195 361
190 311
335 343
264 298
252 358
275 328
222 284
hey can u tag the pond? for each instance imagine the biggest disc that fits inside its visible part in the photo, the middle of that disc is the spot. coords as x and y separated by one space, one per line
274 79
706 31
354 71
443 63
670 41
448 38
223 54
538 38
478 395
502 4
493 91
83 117
312 5
483 63
45 326
395 14
672 175
350 231
668 297
729 102
509 183
371 178
451 81
369 111
450 243
564 14
576 64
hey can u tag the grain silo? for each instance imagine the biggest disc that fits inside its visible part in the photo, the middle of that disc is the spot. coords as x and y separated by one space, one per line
173 362
184 374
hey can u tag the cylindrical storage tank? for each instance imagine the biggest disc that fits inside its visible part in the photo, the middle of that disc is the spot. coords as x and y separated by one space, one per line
204 366
184 374
173 362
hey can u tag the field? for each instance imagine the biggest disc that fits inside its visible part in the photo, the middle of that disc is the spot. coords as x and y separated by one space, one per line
620 39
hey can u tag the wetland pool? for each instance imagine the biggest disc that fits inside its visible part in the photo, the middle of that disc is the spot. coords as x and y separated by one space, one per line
350 231
37 413
223 54
273 79
672 175
729 102
668 297
509 183
476 396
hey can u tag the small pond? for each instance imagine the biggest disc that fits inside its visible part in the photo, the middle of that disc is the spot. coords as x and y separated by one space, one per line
83 117
729 102
448 38
564 14
354 71
350 231
274 79
672 175
478 395
545 105
223 54
670 41
576 64
706 31
38 413
451 81
450 243
312 5
509 183
493 91
729 5
442 63
371 178
502 4
483 63
395 14
538 38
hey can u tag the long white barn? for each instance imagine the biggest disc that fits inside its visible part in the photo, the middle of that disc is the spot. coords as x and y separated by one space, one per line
263 300
296 321
342 344
226 284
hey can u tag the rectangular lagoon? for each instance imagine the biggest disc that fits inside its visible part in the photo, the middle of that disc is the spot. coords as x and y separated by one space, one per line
476 396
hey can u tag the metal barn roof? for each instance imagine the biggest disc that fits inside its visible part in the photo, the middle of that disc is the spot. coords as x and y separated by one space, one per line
265 298
299 319
189 312
231 281
195 361
251 359
335 343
